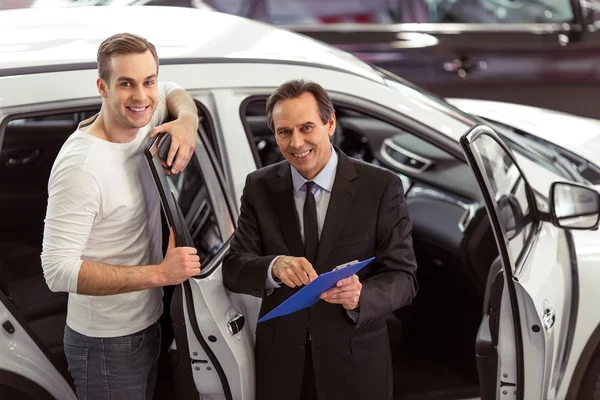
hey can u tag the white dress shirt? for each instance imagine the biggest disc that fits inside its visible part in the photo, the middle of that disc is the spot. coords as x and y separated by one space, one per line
322 192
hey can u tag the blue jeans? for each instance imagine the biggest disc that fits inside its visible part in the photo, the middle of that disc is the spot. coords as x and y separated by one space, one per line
124 367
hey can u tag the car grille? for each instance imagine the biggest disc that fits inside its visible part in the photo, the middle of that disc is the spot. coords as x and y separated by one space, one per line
591 173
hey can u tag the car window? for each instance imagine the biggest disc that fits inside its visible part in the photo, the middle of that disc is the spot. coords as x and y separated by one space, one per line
499 11
191 192
311 12
203 204
593 7
509 191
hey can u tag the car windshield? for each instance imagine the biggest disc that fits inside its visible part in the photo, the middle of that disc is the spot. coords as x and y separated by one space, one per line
544 156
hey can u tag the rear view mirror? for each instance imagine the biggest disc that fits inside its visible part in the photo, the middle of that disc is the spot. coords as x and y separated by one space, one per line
574 206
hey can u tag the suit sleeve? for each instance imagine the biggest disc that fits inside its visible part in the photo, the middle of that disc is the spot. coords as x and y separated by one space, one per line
395 283
245 266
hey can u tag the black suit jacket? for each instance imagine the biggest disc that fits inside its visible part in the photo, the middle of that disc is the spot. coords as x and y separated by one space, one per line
367 216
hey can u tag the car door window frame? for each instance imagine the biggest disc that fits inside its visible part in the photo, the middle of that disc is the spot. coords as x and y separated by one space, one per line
171 207
511 267
536 216
214 181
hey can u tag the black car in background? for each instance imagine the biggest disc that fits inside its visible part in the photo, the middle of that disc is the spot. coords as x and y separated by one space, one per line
544 53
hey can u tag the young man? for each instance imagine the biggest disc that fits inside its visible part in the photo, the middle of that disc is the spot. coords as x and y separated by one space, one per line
302 217
102 235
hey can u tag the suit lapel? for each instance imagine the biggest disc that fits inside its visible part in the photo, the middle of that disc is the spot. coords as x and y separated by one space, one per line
283 197
342 197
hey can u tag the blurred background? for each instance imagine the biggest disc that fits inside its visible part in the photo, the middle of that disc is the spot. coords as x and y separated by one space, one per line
543 53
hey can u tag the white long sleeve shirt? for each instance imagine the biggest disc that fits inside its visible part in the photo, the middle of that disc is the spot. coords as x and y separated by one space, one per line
102 206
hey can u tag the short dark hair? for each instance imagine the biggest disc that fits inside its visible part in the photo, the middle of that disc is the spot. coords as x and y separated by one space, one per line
296 88
121 43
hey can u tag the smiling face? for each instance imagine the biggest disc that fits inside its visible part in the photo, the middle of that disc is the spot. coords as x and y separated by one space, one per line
131 93
302 137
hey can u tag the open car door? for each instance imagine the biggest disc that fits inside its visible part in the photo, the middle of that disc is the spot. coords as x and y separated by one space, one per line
213 328
28 370
530 305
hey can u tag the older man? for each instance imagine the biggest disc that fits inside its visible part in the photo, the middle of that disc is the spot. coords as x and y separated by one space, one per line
302 217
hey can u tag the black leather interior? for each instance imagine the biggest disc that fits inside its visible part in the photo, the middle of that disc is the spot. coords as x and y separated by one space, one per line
28 150
44 311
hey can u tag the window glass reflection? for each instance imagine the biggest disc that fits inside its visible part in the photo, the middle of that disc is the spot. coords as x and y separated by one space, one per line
191 192
315 12
508 189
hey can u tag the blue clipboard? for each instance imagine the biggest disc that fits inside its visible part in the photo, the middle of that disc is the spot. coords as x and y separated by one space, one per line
309 294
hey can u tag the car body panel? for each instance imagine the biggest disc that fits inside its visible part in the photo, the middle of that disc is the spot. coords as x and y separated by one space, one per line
588 260
577 134
38 40
537 268
226 75
22 356
221 361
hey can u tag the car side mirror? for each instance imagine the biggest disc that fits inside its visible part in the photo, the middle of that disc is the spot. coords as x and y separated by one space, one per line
574 206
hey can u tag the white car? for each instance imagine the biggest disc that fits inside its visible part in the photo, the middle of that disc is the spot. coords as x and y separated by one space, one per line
509 262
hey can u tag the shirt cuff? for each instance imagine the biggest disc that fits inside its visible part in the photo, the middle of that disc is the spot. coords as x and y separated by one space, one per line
353 315
271 283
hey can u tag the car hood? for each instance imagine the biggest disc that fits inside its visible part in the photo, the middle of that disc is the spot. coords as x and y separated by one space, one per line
579 135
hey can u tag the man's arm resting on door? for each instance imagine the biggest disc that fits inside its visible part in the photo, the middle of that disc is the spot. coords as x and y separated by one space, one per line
183 130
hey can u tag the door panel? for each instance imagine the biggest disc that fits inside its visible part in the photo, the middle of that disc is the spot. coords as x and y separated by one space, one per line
486 344
528 52
532 67
24 358
536 264
220 343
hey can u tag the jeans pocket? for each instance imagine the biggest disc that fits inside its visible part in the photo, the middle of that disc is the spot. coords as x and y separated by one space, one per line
77 361
124 344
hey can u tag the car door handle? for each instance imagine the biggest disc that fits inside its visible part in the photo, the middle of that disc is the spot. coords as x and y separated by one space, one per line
463 66
23 157
236 324
548 318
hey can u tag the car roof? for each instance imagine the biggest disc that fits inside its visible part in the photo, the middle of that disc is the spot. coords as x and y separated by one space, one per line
39 40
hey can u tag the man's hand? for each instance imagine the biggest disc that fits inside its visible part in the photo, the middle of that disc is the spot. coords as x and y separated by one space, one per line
346 292
183 131
293 271
180 263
